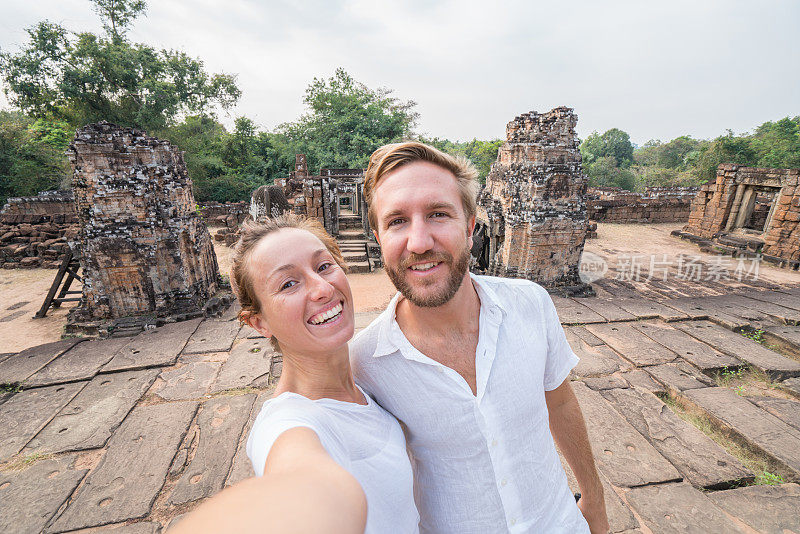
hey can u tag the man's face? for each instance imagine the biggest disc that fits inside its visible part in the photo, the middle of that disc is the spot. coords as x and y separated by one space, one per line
423 232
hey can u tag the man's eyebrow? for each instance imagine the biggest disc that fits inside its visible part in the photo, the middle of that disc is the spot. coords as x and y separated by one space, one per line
430 206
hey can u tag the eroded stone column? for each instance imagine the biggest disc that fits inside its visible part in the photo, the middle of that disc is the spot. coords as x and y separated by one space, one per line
145 250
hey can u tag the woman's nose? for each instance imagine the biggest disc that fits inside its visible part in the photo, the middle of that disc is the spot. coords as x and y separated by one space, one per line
320 289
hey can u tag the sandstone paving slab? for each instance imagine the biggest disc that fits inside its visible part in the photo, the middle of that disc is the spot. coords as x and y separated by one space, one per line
583 334
27 412
606 309
571 312
621 453
632 344
81 362
19 367
703 308
697 457
248 333
786 410
787 300
232 313
620 518
770 362
212 336
600 383
792 385
131 473
642 308
220 422
190 381
639 378
678 377
740 305
6 355
760 429
31 497
89 419
594 361
786 337
679 509
249 360
768 509
143 527
699 354
154 348
241 467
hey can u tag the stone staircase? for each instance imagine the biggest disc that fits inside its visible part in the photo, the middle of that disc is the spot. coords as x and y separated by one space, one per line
353 243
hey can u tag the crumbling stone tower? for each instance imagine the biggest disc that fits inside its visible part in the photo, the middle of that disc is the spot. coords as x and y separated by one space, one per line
533 204
145 250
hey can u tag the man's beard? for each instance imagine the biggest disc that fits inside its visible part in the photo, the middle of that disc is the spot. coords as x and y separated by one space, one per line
458 269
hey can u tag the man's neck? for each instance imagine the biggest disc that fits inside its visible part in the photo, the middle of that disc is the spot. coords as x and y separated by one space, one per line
459 314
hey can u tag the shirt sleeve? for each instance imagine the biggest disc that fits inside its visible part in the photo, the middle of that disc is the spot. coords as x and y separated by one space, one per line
279 415
560 357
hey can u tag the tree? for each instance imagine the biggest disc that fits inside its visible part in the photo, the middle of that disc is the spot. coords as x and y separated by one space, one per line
482 154
83 77
613 143
346 121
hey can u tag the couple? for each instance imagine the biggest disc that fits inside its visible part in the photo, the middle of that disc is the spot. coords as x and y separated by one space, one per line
474 368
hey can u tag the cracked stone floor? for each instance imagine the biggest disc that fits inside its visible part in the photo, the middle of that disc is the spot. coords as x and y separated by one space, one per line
129 434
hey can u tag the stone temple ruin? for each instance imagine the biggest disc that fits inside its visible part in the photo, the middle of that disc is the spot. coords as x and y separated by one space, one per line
750 210
532 212
144 249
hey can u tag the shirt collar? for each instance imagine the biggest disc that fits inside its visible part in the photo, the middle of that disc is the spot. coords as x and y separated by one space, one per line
388 320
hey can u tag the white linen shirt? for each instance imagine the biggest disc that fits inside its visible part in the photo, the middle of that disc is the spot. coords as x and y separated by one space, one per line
482 463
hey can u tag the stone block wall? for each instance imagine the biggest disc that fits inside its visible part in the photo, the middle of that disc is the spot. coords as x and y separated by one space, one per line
34 231
655 205
533 202
144 248
720 206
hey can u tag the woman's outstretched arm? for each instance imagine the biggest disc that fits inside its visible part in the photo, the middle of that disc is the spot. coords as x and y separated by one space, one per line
303 491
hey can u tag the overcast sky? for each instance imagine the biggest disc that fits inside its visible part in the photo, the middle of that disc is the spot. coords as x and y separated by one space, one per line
656 69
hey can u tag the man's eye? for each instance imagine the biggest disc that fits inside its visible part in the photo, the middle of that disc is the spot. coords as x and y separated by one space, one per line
439 214
287 285
395 222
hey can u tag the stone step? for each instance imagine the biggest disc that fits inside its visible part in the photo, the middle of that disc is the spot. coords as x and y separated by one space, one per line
607 309
786 338
358 267
679 509
621 453
773 438
643 308
351 235
771 363
702 308
690 349
697 457
742 306
772 509
632 344
354 257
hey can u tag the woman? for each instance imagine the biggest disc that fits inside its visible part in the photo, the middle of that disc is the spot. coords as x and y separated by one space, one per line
290 279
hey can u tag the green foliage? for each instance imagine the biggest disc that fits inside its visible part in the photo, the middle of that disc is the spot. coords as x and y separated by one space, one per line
345 122
83 77
613 143
482 154
604 172
754 335
31 155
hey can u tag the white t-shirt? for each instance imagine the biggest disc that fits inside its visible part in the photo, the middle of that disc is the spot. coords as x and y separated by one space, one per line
482 463
365 440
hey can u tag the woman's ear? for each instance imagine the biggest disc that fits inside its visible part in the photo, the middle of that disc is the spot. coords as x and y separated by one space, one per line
256 322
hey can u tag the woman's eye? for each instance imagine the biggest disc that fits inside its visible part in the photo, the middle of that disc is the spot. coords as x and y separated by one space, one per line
324 266
287 285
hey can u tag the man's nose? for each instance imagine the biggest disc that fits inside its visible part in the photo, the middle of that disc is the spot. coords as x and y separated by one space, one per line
420 239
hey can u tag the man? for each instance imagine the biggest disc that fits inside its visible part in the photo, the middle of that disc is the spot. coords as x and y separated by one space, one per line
474 367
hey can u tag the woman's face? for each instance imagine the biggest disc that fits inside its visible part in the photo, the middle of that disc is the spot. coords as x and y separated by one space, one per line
305 298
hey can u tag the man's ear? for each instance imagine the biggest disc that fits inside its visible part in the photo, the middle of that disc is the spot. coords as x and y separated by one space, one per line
257 323
375 233
470 230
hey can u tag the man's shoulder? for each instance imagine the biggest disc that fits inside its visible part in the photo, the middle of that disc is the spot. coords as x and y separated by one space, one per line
512 288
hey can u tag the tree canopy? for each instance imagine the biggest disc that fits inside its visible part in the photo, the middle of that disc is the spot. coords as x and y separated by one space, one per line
83 77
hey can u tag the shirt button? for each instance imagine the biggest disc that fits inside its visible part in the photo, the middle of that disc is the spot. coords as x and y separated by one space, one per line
503 482
440 369
494 443
513 521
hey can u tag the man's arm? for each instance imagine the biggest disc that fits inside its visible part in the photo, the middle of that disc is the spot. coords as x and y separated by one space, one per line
569 432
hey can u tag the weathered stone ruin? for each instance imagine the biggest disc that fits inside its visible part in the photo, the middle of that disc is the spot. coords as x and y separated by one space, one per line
144 248
750 210
532 209
654 205
34 231
268 201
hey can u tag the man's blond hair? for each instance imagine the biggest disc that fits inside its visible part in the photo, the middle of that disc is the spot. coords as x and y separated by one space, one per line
391 157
